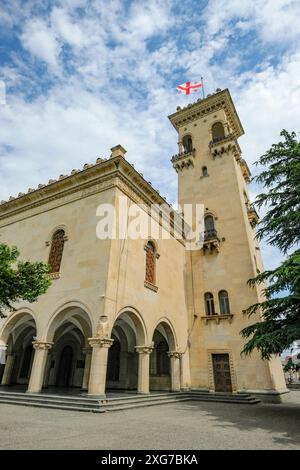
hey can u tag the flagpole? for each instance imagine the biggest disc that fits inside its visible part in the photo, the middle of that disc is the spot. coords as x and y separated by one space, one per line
202 88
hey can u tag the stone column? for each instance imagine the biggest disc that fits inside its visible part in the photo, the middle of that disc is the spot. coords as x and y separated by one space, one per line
180 148
99 365
185 371
175 370
87 367
144 368
10 359
47 371
37 375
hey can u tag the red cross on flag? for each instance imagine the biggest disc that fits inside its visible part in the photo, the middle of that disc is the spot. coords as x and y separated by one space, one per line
189 87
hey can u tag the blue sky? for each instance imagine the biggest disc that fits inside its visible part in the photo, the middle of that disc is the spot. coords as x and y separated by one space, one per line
82 76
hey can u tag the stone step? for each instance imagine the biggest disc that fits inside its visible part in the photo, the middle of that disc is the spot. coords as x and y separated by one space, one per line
110 403
56 406
142 396
41 398
81 403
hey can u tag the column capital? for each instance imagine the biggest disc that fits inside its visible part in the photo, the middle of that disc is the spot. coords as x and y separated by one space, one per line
42 345
143 349
100 342
175 354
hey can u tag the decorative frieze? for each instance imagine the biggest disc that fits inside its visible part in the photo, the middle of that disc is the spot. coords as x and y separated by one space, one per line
144 349
42 345
245 170
175 354
100 342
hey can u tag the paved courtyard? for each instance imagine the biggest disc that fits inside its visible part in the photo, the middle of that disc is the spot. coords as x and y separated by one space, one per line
191 425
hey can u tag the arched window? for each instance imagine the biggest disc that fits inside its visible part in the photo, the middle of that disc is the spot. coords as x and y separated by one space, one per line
150 262
209 227
218 132
187 143
162 358
209 304
204 171
224 302
56 251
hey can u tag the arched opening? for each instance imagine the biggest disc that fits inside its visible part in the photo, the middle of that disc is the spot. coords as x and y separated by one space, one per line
122 363
204 171
163 342
150 272
113 362
218 132
56 251
187 143
209 227
63 378
224 302
18 334
67 359
209 303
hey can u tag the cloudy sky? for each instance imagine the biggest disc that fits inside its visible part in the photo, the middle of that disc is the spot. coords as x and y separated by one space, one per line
82 76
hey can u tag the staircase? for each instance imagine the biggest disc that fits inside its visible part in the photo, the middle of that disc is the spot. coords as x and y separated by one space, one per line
118 403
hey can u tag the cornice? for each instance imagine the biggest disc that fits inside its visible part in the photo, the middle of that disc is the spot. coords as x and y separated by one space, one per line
202 107
93 179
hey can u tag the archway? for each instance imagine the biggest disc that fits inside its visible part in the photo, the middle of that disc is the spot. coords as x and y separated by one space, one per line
163 341
18 334
67 363
122 364
64 373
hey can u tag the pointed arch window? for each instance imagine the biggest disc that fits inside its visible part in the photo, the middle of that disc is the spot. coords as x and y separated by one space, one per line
150 263
187 143
224 302
218 132
56 251
209 227
209 304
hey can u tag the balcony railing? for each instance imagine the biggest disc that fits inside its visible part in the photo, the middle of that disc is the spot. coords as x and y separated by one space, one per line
210 234
224 138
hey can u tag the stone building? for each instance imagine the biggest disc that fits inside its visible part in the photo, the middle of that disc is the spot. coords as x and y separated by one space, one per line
135 314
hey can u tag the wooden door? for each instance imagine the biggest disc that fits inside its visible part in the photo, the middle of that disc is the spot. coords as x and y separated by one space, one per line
222 375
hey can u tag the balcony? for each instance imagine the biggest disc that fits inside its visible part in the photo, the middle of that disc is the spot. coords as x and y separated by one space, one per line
224 145
211 241
183 160
218 140
252 215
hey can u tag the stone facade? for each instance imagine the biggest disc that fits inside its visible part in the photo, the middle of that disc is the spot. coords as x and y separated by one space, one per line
130 313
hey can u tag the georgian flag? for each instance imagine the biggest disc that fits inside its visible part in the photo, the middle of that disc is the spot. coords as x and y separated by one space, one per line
189 87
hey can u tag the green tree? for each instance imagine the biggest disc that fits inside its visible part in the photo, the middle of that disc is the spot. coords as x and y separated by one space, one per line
280 310
20 280
289 365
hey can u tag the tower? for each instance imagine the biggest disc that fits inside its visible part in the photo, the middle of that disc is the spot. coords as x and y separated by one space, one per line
212 172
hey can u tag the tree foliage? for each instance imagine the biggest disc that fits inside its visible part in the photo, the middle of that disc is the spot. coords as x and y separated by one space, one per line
280 310
20 280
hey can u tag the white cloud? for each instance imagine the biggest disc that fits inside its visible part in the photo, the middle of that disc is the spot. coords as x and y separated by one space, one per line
41 42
